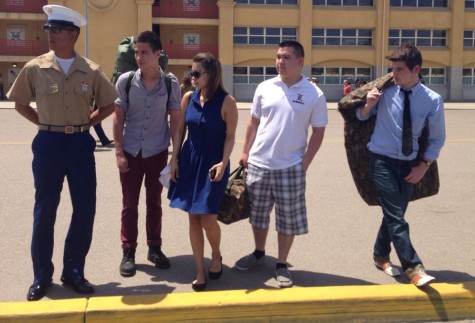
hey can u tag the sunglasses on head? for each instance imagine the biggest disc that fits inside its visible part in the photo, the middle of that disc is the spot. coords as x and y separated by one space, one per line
197 74
56 30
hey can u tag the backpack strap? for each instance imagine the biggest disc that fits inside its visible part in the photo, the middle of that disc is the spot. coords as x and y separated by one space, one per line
168 83
129 84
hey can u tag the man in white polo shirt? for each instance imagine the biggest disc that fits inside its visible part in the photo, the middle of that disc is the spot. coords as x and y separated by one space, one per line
277 155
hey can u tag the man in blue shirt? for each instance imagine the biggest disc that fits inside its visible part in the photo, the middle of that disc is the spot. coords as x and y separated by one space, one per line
395 170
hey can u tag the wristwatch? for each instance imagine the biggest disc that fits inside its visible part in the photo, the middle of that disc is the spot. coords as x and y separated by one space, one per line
427 162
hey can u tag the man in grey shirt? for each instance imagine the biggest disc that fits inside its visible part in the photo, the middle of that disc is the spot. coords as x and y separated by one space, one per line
141 147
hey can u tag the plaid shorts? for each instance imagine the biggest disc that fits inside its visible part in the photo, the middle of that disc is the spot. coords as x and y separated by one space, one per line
286 189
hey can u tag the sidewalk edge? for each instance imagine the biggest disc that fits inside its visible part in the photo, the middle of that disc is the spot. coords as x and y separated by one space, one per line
440 301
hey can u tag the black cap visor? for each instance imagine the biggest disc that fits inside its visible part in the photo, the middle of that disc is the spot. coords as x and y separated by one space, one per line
62 24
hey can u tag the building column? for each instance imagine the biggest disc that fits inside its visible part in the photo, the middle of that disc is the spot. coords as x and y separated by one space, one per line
305 34
455 69
225 50
144 15
380 37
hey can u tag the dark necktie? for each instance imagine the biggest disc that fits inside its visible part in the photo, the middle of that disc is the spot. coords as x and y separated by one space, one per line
407 125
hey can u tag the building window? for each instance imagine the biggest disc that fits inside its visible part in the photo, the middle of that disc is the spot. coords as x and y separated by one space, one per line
469 38
468 76
275 2
418 37
433 75
252 74
420 3
344 3
470 4
342 37
263 35
336 75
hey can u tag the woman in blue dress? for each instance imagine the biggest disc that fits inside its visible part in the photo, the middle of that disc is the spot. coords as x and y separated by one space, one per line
199 168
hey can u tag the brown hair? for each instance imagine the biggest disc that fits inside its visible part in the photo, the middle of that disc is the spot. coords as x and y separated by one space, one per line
213 67
409 54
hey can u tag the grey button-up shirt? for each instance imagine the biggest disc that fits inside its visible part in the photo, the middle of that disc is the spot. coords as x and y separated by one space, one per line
146 127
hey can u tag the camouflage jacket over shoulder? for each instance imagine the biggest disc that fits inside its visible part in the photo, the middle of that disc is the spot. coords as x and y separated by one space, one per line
358 134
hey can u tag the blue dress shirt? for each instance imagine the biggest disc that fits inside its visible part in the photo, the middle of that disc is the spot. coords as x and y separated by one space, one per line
427 107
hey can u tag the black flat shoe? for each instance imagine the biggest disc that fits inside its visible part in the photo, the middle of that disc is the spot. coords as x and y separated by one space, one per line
198 287
216 275
79 285
37 291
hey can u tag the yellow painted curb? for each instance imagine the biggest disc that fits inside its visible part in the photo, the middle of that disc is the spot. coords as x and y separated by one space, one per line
340 303
439 302
67 310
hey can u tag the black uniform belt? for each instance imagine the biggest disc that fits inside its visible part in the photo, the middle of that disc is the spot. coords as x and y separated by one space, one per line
64 129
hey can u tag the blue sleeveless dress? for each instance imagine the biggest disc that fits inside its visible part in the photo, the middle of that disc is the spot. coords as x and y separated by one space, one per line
194 192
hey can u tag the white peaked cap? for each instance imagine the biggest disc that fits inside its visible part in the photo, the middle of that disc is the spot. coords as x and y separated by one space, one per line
59 16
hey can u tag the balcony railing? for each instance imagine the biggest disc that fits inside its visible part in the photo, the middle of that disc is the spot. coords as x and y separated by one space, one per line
183 51
180 9
22 6
23 47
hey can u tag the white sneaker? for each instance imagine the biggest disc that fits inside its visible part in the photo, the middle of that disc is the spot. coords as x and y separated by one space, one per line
388 268
283 277
418 276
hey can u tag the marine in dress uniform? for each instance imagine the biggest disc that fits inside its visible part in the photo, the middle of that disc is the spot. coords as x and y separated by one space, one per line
64 85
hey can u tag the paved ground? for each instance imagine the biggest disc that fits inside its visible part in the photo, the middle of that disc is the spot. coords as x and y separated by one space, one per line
337 251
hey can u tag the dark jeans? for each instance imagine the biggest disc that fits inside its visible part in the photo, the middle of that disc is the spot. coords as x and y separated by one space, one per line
131 181
394 194
56 156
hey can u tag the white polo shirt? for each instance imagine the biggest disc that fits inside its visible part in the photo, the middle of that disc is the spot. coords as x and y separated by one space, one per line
285 116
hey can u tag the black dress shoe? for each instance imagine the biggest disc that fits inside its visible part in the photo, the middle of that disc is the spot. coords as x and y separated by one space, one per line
37 291
107 143
216 275
79 285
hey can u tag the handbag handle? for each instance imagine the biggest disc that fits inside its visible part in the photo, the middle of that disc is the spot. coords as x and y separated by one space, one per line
235 173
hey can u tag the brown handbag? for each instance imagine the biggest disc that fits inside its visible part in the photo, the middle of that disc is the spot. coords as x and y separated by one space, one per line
236 204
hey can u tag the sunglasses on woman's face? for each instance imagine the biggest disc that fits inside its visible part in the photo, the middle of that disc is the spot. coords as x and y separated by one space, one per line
197 74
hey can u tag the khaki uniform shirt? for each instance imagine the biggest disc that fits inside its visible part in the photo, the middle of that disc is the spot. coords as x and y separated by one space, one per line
62 100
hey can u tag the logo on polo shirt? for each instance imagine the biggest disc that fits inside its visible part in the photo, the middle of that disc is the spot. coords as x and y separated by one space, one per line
84 86
298 99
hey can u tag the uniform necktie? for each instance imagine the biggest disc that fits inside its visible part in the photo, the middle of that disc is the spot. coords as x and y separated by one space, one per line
407 125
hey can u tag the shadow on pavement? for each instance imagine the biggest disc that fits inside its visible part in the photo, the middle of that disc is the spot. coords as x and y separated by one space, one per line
261 277
450 276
